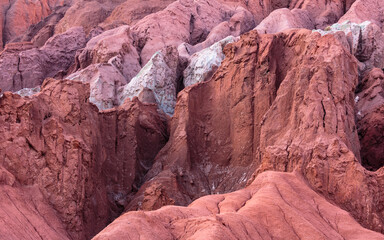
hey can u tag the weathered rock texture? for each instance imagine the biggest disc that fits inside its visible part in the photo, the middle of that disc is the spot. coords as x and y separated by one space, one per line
86 14
283 19
159 75
17 15
115 47
241 22
25 213
75 154
202 65
26 92
370 119
368 10
24 66
131 11
323 13
84 162
105 81
185 21
365 41
274 206
278 102
40 32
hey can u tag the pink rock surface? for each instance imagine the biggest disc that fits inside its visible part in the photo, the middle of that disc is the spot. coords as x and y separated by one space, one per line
86 14
114 46
25 214
283 19
104 80
365 10
241 22
24 66
274 206
131 11
291 101
185 21
323 13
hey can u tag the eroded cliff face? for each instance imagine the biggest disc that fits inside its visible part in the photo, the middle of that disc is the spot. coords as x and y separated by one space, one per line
370 118
18 15
257 119
84 162
266 108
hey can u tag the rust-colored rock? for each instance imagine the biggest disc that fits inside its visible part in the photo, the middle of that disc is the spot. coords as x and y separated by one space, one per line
298 101
17 15
274 206
26 214
131 11
370 119
84 162
279 102
40 32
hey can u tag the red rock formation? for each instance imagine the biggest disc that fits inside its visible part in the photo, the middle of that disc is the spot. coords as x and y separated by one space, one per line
282 102
370 119
192 22
365 10
283 19
274 206
113 46
25 214
84 162
131 11
278 102
185 21
86 14
40 32
323 12
17 15
259 8
22 65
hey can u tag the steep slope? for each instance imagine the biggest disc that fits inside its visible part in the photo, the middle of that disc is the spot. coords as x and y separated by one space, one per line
370 119
75 154
17 15
278 102
84 162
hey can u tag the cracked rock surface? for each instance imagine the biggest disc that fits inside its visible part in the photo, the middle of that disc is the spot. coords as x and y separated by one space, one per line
191 119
